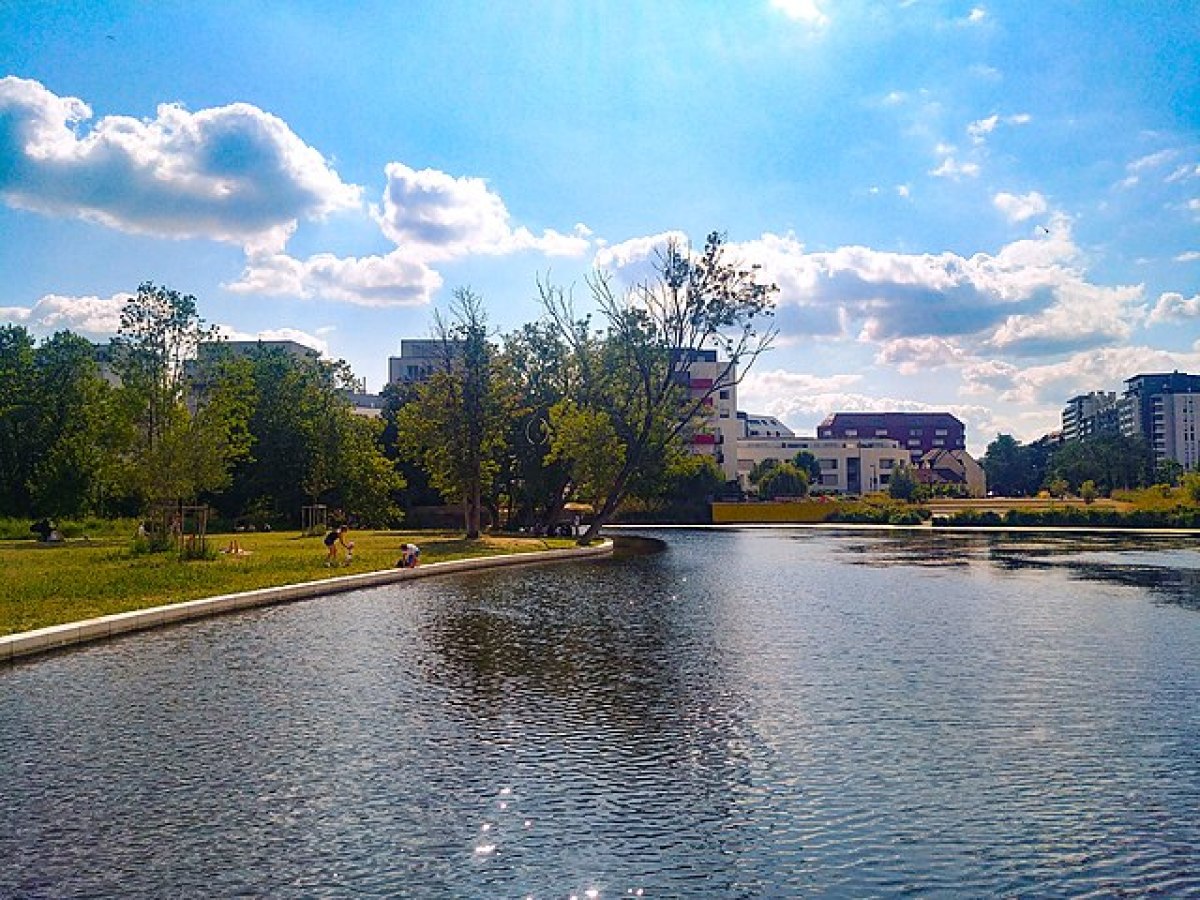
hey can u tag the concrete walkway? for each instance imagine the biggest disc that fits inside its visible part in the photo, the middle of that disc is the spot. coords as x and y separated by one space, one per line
54 637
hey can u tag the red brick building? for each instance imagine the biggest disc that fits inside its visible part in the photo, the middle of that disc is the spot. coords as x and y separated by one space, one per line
918 433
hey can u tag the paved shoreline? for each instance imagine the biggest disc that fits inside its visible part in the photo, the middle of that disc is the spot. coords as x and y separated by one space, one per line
24 644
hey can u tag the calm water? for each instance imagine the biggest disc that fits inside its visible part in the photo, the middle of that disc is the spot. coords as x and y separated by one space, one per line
750 713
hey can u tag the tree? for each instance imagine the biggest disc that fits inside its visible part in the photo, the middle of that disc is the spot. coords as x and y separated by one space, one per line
784 480
808 464
903 484
1111 461
1087 491
73 474
633 390
18 412
458 420
761 470
307 447
536 364
188 433
1006 467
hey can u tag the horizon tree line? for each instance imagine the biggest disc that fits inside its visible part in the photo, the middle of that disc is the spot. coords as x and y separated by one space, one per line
559 410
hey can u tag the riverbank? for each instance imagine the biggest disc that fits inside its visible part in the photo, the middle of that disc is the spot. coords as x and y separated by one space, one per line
53 583
26 643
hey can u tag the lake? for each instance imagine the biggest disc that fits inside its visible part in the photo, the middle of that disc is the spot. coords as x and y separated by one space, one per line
748 713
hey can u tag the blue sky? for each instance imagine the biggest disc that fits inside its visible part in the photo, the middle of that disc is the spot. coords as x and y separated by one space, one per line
977 207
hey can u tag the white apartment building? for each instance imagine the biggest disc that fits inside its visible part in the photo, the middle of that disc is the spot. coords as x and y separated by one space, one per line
847 467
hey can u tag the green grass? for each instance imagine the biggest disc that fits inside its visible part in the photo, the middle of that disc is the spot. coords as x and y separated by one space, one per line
49 584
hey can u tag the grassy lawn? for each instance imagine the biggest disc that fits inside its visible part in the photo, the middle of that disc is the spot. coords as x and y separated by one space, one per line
49 584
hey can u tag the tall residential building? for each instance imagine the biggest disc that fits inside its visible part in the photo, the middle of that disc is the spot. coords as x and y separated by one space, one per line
1162 409
916 432
718 433
1089 415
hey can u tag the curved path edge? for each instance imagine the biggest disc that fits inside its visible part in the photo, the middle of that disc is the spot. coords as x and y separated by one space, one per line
54 637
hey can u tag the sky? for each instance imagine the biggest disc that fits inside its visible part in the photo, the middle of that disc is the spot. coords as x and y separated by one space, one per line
982 208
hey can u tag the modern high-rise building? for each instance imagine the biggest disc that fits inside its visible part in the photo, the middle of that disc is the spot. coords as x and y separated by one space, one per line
1090 415
1162 409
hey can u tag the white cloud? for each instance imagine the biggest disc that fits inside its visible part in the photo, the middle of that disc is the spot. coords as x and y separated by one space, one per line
229 173
981 128
393 279
1188 256
1173 307
633 261
90 316
435 216
1095 370
229 333
952 168
1184 173
1018 207
978 14
911 356
807 11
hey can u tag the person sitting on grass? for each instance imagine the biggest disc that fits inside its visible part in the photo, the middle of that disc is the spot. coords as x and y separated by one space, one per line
336 536
410 555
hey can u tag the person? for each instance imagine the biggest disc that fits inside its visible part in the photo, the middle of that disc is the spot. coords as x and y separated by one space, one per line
336 536
410 555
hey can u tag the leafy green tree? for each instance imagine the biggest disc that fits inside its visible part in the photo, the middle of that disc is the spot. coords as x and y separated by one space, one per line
18 413
537 367
761 470
809 464
307 446
1169 472
1111 461
903 484
188 434
1058 487
784 480
458 420
76 430
1006 466
633 374
1088 492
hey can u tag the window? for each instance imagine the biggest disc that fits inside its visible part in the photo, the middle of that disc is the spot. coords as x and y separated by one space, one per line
938 442
941 432
830 464
881 432
914 432
724 395
850 432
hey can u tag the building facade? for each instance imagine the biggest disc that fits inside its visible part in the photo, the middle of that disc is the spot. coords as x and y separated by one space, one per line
719 428
918 433
1161 408
419 358
847 467
1091 415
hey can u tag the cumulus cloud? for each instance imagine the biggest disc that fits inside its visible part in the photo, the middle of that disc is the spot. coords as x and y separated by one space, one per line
807 11
803 400
436 216
229 333
1188 256
952 168
90 316
1104 369
393 279
229 173
913 355
1173 307
1019 207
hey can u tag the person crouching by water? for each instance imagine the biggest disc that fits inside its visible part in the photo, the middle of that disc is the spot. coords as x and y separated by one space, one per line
336 536
410 555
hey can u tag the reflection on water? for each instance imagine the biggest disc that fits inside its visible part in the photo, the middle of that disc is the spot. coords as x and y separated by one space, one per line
750 713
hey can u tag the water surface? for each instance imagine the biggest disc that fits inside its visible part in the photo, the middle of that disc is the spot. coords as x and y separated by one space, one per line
751 713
